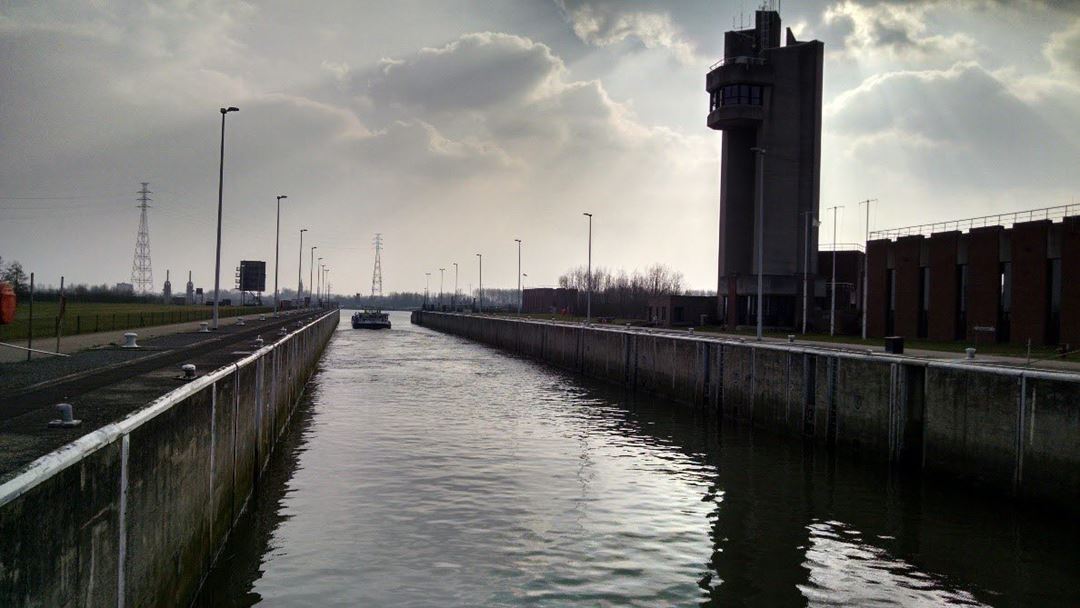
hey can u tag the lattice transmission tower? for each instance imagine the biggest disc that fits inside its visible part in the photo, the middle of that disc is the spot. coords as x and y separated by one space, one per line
376 275
142 275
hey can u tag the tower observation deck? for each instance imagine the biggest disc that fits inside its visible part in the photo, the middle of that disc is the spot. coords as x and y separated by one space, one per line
767 96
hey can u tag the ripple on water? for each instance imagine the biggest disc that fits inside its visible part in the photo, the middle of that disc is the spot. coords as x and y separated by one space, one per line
431 471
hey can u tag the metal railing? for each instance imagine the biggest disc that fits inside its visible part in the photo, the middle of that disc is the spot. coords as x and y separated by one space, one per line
841 247
741 60
1005 220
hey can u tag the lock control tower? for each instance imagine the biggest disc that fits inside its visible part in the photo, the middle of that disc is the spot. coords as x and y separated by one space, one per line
767 97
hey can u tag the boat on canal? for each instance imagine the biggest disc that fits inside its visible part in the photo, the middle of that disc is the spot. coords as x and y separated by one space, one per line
370 319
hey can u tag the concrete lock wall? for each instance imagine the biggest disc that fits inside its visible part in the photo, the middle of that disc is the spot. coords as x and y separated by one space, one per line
1007 431
134 513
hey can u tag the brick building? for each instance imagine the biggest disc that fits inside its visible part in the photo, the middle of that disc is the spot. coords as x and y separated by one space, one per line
549 300
682 311
1007 278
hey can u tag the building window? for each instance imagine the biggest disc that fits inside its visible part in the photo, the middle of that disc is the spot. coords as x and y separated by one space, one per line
738 95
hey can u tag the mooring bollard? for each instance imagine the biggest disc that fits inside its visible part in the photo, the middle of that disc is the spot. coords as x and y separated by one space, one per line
791 338
67 418
240 321
129 340
189 371
970 353
258 341
204 328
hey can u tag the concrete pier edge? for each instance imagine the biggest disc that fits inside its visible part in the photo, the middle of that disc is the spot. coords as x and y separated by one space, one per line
971 423
152 497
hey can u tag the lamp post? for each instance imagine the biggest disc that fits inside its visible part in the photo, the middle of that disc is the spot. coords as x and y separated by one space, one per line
481 262
427 285
806 266
318 285
277 249
866 263
221 185
760 241
588 277
442 271
326 285
832 305
453 298
311 276
518 241
299 269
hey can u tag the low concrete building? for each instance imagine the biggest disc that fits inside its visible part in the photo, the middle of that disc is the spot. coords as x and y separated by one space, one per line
549 300
682 311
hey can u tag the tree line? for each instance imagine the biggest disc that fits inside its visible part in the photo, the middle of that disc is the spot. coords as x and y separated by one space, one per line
618 293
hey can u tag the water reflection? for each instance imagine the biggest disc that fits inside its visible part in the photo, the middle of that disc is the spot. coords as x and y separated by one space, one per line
430 471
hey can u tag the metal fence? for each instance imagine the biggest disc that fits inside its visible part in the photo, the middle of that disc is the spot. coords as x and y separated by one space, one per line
1005 220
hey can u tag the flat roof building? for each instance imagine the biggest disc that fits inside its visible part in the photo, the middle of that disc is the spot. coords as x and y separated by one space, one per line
766 96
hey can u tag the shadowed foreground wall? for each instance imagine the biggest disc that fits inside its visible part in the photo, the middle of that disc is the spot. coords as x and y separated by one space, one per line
1008 432
134 513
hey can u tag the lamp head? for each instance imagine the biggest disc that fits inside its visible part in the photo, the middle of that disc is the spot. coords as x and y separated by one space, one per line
281 196
230 109
303 230
587 214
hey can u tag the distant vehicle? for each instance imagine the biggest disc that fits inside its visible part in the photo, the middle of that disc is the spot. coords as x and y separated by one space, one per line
370 319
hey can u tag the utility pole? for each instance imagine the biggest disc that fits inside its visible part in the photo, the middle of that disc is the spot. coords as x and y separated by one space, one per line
277 249
427 286
300 269
220 189
481 262
142 275
588 277
806 266
832 306
442 271
520 294
453 299
760 240
311 276
866 264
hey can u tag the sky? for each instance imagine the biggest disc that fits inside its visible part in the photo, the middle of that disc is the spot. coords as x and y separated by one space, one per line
454 127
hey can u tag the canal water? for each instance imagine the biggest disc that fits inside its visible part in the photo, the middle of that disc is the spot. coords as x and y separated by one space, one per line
425 470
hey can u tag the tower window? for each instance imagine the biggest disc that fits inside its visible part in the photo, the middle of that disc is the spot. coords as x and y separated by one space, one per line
740 95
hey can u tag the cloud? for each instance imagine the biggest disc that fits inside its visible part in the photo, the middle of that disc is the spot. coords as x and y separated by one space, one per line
606 23
896 30
958 128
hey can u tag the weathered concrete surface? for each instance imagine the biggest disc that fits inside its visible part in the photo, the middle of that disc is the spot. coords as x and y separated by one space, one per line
133 513
1011 432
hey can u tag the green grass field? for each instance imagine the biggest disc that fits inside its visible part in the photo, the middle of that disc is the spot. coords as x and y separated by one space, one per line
92 317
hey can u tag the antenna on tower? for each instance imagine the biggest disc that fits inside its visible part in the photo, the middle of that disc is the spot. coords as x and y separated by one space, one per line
142 275
376 274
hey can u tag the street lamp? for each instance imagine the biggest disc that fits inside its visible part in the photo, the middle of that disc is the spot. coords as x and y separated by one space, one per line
453 299
221 185
760 240
588 277
866 263
427 286
806 265
832 305
311 276
299 269
481 261
318 285
441 272
277 249
326 285
519 274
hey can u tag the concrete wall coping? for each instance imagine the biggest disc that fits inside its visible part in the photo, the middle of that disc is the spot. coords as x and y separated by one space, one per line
48 465
811 350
